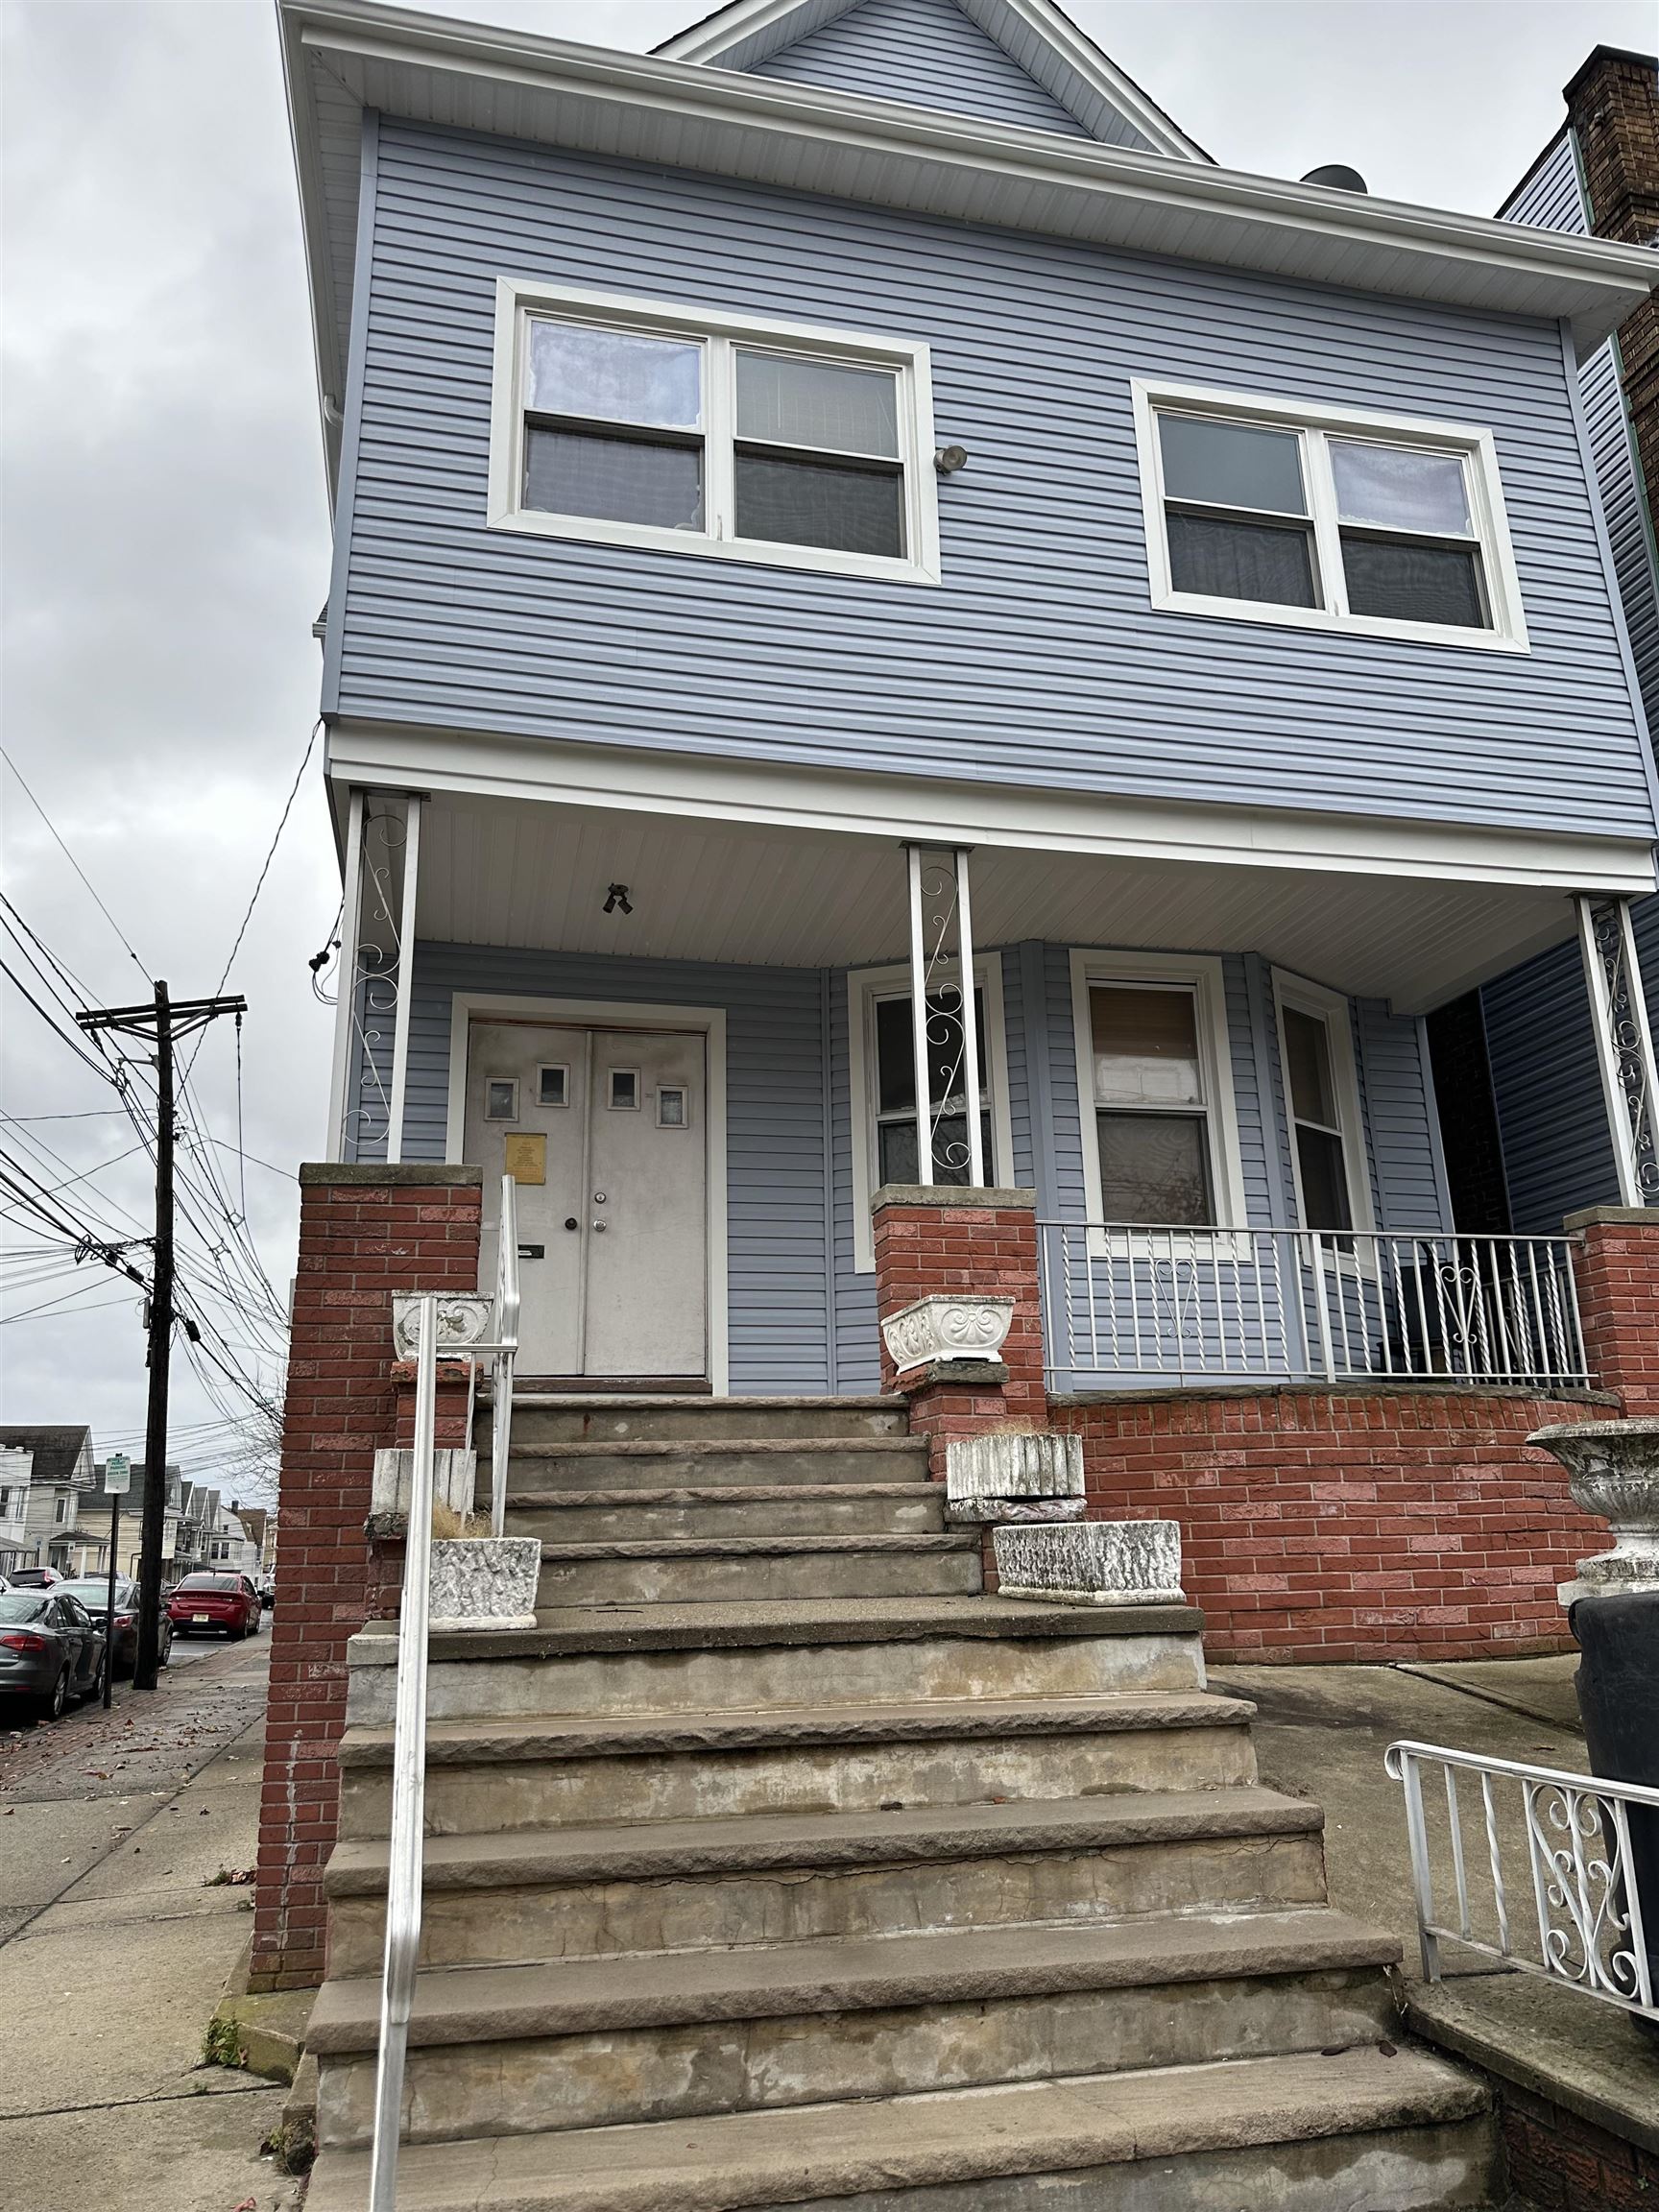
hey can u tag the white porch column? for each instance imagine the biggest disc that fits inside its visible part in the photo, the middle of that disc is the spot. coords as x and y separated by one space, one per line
970 1022
405 979
919 1021
1624 1044
350 936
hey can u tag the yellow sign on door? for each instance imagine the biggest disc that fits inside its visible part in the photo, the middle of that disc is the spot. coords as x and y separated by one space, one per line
526 1159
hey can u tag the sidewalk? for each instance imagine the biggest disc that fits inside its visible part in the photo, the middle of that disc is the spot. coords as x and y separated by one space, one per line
115 1944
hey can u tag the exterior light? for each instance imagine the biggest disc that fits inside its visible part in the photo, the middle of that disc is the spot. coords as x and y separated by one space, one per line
949 458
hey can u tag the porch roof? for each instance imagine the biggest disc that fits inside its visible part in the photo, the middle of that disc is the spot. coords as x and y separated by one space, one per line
518 872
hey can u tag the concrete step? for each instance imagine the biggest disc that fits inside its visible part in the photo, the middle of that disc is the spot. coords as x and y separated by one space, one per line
709 1657
1340 2132
625 2040
488 1776
790 1878
706 1570
651 1463
736 1509
543 1417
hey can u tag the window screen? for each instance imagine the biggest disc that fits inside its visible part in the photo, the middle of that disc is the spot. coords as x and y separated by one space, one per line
816 460
613 425
1409 549
1220 482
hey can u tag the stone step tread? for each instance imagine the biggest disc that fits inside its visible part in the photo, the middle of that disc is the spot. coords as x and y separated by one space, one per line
958 2138
726 1448
743 1494
456 2005
649 1851
928 1545
733 1624
492 1740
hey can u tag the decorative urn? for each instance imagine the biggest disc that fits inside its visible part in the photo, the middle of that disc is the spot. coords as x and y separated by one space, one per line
1613 1471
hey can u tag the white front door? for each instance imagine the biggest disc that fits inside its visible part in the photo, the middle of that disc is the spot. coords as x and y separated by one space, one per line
604 1132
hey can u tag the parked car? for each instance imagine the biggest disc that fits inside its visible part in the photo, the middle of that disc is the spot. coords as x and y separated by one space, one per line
94 1594
268 1592
36 1578
226 1602
50 1650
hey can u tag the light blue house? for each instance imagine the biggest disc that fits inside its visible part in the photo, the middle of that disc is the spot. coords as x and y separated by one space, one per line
860 493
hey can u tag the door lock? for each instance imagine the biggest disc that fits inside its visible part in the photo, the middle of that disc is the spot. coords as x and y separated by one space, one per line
572 1222
598 1198
598 1228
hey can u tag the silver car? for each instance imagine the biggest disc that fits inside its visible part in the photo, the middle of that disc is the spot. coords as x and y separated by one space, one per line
51 1651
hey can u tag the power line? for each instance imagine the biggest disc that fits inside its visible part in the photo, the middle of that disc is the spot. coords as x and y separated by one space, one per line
73 862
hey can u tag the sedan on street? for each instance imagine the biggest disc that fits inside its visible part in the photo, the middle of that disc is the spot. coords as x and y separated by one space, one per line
94 1594
51 1651
226 1604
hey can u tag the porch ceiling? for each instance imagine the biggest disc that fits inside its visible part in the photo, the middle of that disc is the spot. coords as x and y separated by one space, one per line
510 874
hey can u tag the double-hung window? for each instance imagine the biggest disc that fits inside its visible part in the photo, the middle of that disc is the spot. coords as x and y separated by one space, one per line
634 423
1326 517
1322 1102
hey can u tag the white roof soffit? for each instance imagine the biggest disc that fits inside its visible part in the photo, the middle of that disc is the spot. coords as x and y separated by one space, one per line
342 56
1047 44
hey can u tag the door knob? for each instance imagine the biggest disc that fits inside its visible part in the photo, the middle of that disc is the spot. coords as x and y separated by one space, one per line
572 1222
599 1227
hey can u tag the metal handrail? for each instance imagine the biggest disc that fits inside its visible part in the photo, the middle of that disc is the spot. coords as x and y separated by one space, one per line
1420 1305
406 1850
1587 1906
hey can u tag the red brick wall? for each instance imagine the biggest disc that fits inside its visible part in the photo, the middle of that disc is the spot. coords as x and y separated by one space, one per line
364 1232
947 1243
1616 1270
1325 1526
1560 2163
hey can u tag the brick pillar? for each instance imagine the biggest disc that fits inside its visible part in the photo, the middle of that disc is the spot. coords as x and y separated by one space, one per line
945 1239
1617 1269
364 1231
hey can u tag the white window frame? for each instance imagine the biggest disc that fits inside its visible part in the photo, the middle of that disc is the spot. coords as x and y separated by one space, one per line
1314 421
1330 1009
1202 975
864 987
520 299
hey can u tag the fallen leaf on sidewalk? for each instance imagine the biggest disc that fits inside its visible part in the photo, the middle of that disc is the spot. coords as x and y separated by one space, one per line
247 2204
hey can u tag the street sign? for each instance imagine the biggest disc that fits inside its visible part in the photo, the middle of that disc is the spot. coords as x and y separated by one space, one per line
117 1475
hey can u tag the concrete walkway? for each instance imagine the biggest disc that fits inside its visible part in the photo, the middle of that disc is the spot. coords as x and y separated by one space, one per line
115 1942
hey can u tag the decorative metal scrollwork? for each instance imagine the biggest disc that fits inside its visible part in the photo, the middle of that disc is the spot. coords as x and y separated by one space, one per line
945 1030
377 985
1625 1043
1579 1847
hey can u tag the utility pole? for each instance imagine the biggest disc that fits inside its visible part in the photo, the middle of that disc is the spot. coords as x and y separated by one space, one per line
164 1023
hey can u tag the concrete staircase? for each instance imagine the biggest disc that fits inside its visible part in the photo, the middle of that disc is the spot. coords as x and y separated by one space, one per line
778 1867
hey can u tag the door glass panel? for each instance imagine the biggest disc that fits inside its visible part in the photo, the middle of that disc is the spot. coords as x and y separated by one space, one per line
1155 1168
818 403
500 1101
614 479
1145 1047
670 1108
553 1086
1401 490
1231 465
625 1089
618 375
1255 561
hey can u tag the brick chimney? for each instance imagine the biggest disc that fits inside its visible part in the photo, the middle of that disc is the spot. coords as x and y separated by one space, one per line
1613 106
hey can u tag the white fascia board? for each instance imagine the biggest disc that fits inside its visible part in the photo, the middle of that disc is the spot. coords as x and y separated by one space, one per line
641 107
1075 71
834 803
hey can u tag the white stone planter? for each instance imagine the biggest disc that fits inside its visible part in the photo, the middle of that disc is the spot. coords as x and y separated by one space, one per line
1091 1563
1014 1476
454 1476
946 1328
1613 1471
484 1582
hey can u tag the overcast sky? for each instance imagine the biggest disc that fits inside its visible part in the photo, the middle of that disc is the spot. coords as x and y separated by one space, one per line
167 541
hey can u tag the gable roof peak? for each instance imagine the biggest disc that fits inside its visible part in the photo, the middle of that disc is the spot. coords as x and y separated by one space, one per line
1035 33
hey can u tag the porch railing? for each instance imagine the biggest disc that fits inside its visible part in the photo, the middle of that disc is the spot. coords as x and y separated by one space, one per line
1298 1305
406 1852
1569 1907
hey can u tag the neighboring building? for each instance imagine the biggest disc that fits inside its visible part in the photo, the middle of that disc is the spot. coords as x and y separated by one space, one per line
46 1474
232 1543
1599 176
198 1518
95 1513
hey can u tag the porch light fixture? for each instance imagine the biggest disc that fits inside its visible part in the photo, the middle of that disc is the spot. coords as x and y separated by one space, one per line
949 458
617 900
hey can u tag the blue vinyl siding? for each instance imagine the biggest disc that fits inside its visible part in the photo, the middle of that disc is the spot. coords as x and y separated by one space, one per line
1550 195
1038 660
1407 1183
926 51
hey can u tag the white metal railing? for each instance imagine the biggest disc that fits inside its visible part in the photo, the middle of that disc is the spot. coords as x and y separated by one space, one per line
1579 1914
1302 1305
405 1856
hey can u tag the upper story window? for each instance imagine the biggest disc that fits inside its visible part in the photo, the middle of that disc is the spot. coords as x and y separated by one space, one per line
628 423
1326 519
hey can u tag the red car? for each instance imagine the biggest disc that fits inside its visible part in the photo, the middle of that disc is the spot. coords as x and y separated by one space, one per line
226 1602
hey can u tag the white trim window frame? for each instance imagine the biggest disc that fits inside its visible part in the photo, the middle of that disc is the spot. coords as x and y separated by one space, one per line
1201 975
1318 429
522 301
1334 1013
865 988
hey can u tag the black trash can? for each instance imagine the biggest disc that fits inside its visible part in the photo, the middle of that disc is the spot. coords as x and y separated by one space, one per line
1618 1684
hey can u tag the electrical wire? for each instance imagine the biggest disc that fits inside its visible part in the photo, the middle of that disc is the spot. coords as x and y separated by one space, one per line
75 864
